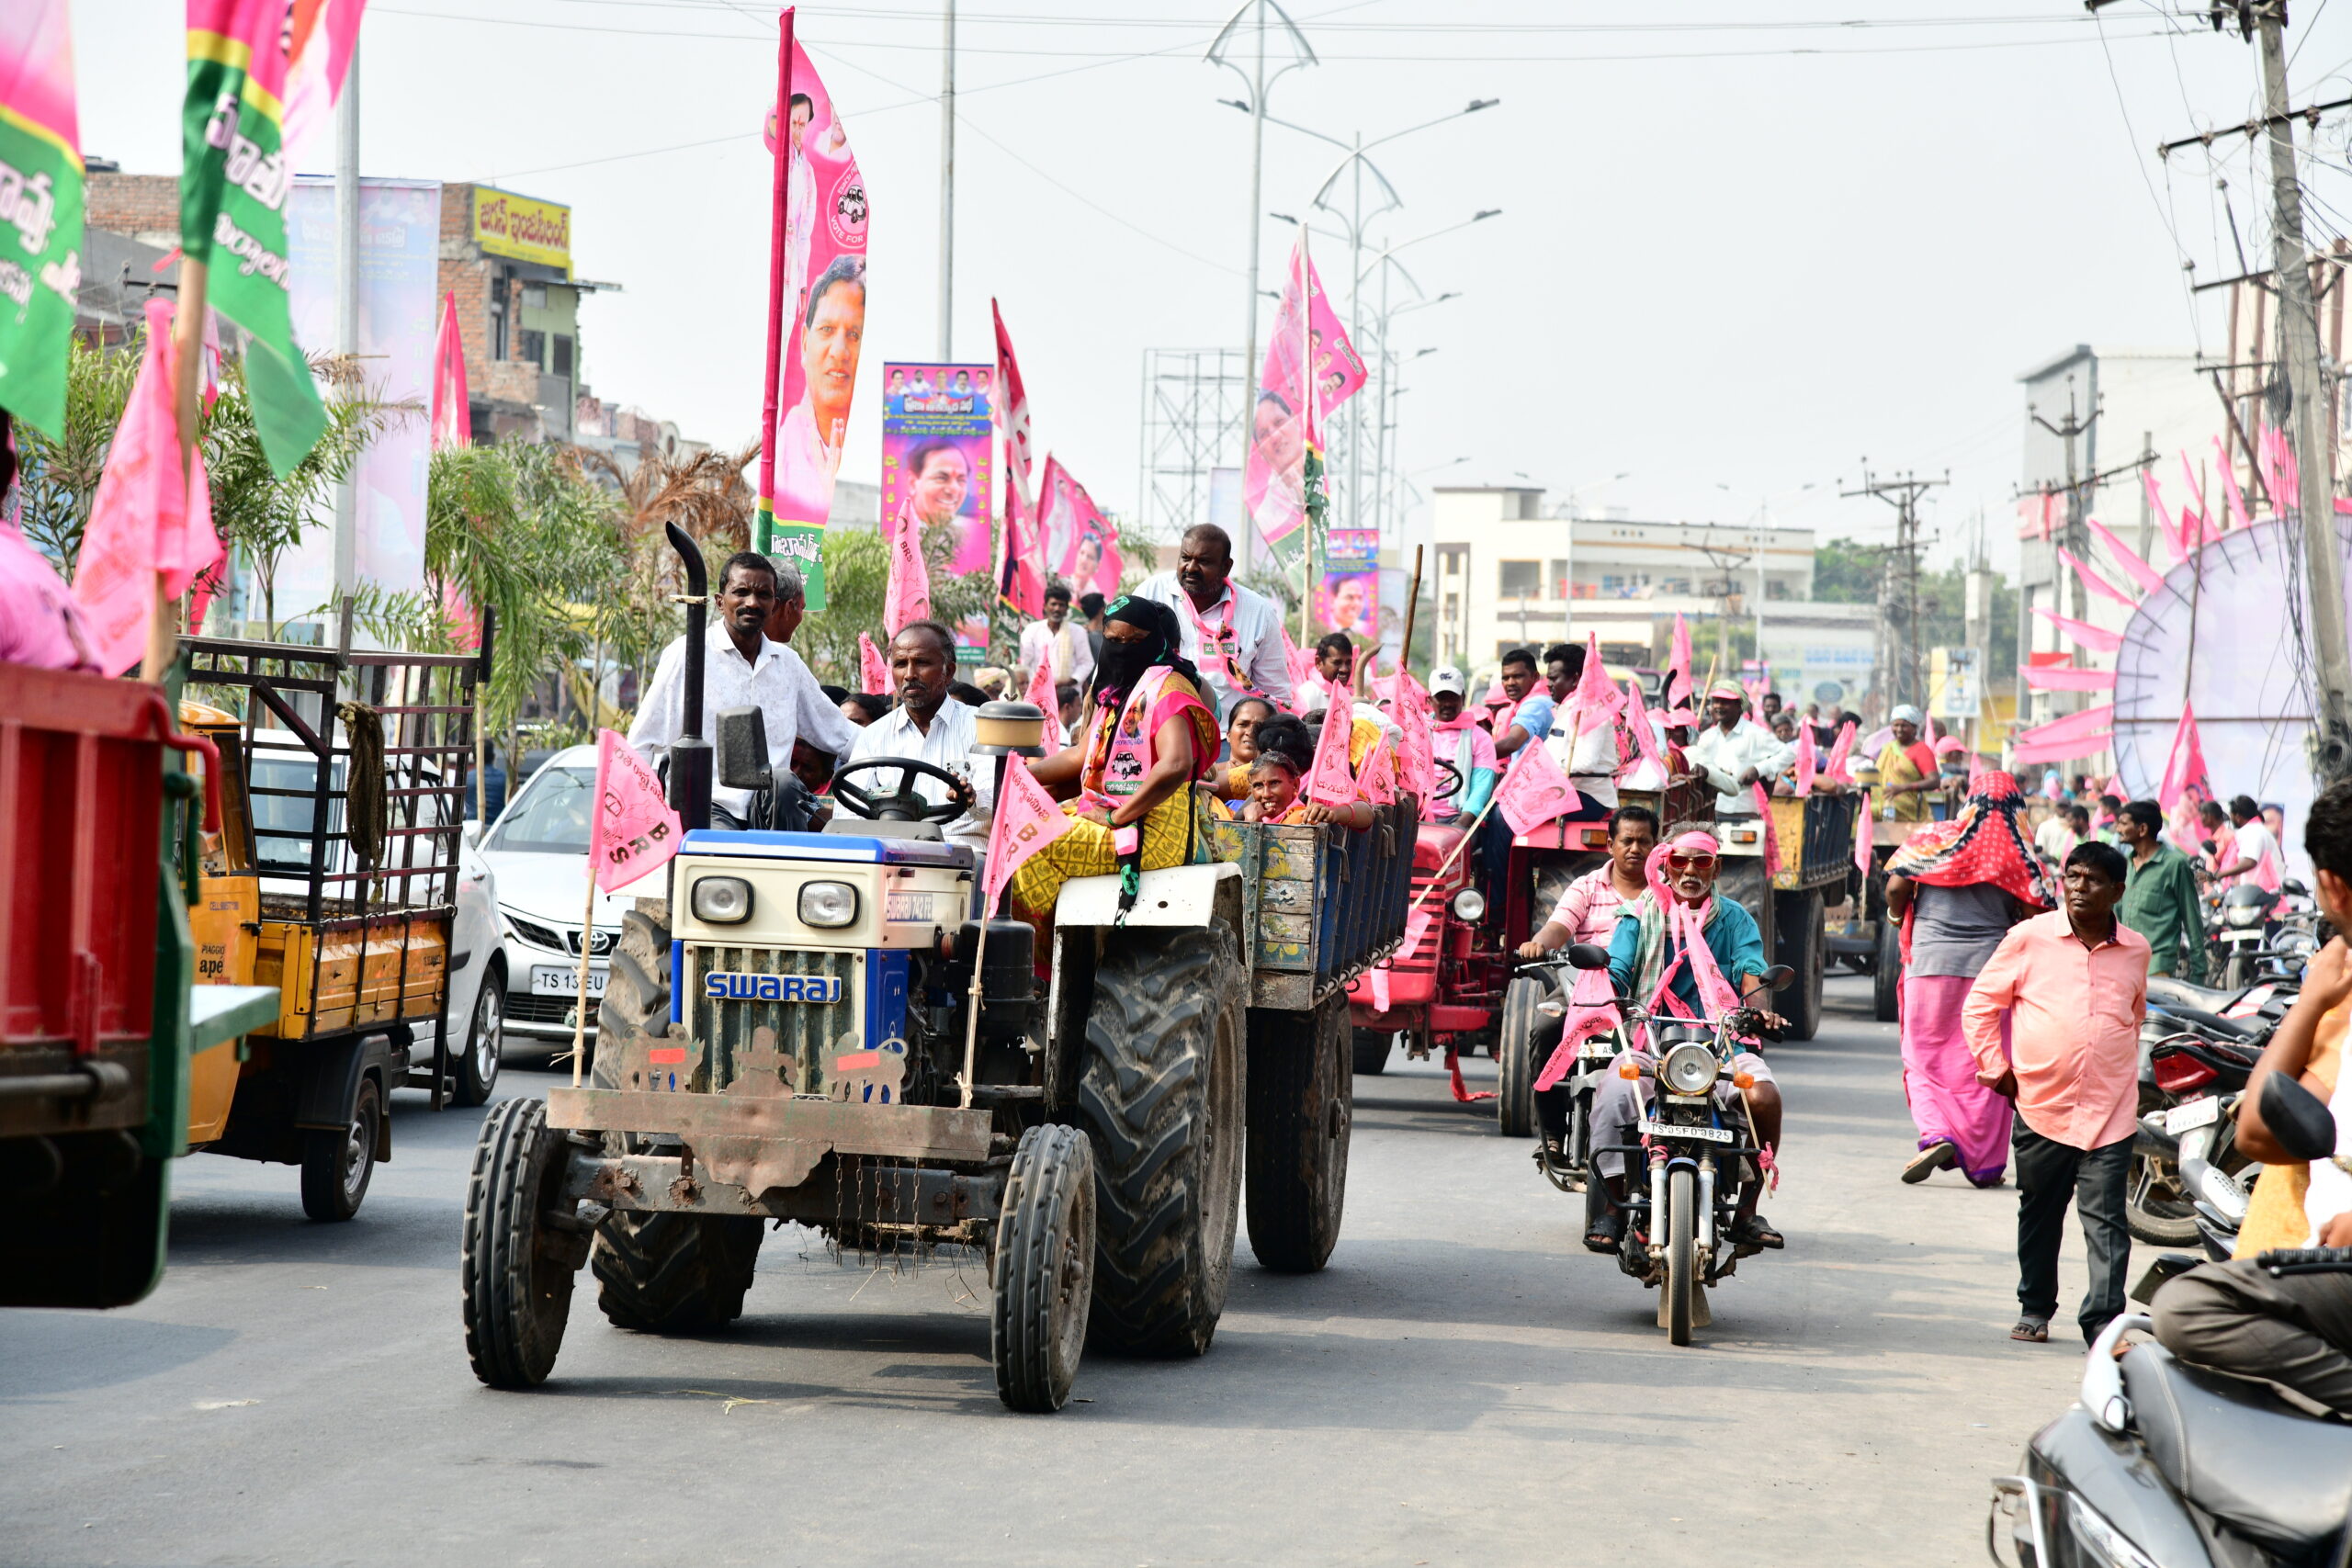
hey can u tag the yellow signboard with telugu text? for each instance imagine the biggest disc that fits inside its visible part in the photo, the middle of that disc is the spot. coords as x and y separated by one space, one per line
523 228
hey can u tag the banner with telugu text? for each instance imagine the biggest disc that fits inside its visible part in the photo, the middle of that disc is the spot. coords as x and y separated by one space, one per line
40 209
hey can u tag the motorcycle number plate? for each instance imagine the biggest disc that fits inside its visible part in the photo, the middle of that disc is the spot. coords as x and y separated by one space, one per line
1599 1050
2193 1114
1668 1129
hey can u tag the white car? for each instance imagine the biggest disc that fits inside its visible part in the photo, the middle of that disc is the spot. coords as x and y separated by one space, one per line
538 853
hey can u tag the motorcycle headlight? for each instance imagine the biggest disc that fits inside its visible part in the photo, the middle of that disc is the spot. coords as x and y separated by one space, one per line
1690 1068
2108 1545
2242 914
721 900
1469 905
828 904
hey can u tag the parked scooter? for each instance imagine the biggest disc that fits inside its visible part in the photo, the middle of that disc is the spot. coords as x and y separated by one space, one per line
1699 1153
2181 1094
2162 1463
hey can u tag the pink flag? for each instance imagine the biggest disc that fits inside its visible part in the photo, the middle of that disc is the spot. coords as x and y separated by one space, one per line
2094 581
1840 750
635 832
1021 568
320 38
1311 368
1771 833
452 416
908 597
1637 720
2073 726
1592 1013
150 527
2163 518
2067 678
1377 983
1862 840
1379 782
2066 750
1068 518
2230 485
1534 790
1417 920
2203 531
1678 664
1012 401
1808 759
1330 781
873 669
1040 695
2185 766
2098 639
1416 753
1597 697
1026 821
2137 570
1300 662
1715 993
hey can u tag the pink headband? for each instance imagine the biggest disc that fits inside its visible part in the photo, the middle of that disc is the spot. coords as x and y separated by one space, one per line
1695 842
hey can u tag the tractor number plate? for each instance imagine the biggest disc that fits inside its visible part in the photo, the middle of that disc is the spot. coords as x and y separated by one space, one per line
1668 1129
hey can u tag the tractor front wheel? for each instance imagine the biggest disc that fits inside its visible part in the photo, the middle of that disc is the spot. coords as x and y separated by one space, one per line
519 1249
1044 1268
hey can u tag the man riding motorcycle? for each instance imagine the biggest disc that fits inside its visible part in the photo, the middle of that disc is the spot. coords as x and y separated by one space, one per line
1648 964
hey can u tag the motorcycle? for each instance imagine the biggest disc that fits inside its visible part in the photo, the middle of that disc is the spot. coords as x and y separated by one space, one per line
2255 933
2185 1078
1571 1170
2161 1461
1699 1153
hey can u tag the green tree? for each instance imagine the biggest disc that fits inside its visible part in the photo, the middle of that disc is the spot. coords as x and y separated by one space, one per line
60 479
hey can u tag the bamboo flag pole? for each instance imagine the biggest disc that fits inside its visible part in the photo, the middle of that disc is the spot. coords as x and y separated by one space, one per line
188 345
1412 604
580 994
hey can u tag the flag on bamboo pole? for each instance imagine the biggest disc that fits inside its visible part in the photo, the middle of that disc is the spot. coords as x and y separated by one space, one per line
817 316
235 179
873 669
40 209
1020 576
452 401
1309 370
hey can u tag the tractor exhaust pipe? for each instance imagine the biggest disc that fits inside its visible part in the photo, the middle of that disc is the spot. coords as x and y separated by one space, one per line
690 753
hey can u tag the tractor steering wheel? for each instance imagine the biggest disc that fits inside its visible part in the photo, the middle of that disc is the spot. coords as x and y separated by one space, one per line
1449 781
903 805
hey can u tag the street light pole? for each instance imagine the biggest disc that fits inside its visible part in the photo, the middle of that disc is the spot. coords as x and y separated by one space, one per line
947 189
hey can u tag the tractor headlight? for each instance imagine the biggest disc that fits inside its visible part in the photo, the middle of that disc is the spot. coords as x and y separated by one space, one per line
721 900
828 904
1689 1068
1469 905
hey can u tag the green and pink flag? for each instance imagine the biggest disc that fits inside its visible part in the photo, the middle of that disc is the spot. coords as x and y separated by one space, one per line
235 179
40 209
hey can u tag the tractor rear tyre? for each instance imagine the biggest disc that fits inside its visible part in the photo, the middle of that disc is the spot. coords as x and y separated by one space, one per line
1044 1269
1370 1051
1160 1095
1803 947
516 1268
1887 970
1516 1067
1302 1109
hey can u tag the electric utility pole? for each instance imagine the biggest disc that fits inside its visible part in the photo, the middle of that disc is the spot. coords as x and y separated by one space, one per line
1898 593
947 190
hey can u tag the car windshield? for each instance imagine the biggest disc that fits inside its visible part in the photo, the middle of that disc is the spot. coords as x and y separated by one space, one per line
550 817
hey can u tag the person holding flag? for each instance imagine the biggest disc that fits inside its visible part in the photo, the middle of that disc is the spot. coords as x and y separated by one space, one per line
1129 786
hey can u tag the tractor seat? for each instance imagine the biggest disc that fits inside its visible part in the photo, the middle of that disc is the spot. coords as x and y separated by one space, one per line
2242 1453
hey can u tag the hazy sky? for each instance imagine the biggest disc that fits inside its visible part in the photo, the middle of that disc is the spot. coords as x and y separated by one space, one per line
1741 245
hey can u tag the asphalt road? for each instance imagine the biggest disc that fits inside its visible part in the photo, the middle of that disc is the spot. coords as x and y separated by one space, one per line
1464 1384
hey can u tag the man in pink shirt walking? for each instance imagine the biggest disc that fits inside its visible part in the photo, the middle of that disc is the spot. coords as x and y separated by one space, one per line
2074 984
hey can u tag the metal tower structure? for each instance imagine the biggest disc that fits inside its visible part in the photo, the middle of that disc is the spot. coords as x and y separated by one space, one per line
1195 400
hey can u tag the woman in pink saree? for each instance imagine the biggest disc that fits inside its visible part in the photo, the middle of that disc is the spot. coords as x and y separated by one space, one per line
1958 887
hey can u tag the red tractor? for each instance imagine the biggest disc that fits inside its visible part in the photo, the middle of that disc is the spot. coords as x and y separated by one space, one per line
1450 987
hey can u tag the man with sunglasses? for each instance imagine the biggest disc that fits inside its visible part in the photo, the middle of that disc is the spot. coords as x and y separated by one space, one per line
1648 966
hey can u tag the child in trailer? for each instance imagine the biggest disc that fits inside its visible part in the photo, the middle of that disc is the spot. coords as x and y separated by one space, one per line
1286 755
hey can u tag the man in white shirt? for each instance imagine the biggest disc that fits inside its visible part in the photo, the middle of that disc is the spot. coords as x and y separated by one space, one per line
1232 636
1734 752
2256 846
927 728
741 668
1056 642
1587 756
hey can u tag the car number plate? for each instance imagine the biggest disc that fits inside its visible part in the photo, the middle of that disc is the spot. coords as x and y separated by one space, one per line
2193 1114
1668 1129
563 980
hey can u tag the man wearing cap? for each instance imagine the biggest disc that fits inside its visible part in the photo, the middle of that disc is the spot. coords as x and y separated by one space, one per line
1734 752
1906 770
1461 742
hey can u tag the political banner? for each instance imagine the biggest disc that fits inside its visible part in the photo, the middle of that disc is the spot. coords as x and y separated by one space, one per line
40 209
1076 538
1311 368
400 299
234 181
817 319
1348 598
938 435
